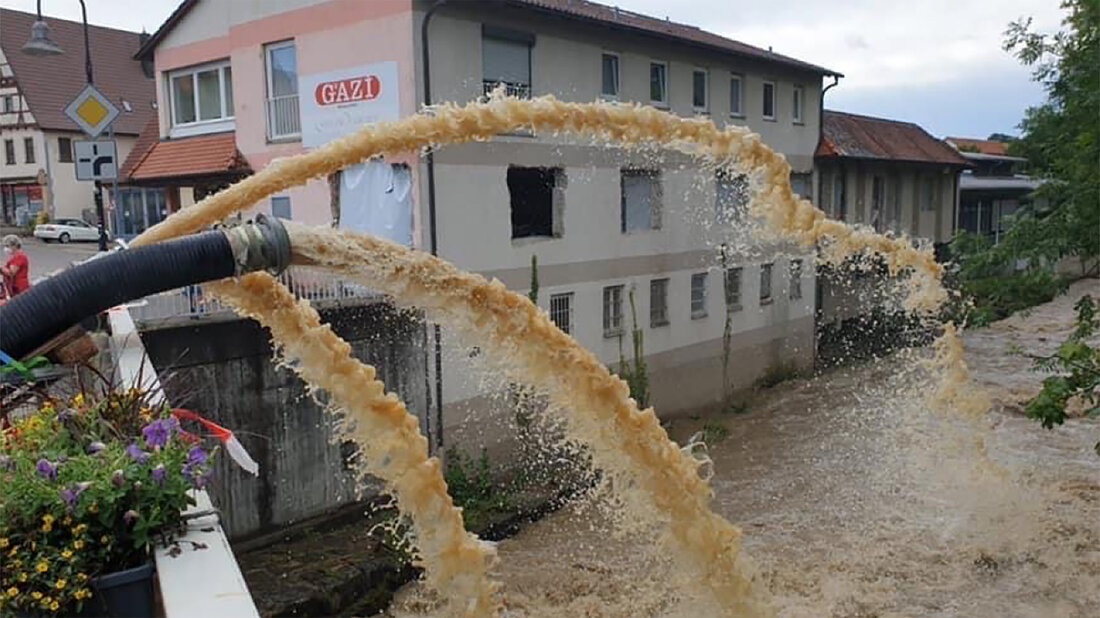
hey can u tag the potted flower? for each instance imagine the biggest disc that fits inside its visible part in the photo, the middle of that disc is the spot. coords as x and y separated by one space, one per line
86 489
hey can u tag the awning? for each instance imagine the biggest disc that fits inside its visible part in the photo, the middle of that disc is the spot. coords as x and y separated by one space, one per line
203 156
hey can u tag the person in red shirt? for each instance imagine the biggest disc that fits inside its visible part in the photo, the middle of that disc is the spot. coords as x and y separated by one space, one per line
16 268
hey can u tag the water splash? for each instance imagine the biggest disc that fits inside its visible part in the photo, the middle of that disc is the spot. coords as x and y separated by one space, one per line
626 441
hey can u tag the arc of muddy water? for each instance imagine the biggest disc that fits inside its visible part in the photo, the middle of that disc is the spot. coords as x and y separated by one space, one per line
672 486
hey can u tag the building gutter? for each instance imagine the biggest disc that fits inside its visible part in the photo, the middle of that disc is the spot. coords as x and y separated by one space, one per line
433 235
821 113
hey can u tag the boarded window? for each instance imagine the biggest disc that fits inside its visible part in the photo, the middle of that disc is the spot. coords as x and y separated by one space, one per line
641 200
612 310
280 207
531 194
698 295
376 198
561 311
658 302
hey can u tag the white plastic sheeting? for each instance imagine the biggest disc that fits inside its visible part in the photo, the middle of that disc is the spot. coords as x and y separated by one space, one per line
376 198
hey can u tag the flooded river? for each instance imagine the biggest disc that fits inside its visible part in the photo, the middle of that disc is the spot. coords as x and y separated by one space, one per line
858 502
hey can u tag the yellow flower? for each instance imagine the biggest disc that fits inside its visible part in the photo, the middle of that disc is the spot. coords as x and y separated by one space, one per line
66 554
47 527
78 544
54 606
47 518
22 577
42 566
13 550
37 595
4 542
93 509
104 540
80 528
60 585
83 577
78 400
68 521
13 592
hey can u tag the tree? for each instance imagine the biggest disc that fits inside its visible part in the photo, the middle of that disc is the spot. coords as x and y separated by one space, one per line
1061 137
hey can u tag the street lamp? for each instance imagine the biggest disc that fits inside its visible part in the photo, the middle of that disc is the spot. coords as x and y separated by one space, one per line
40 44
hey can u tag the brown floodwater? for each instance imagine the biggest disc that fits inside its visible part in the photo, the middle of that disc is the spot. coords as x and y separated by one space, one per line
858 501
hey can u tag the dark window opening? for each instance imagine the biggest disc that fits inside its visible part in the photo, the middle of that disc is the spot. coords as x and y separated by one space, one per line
531 190
64 150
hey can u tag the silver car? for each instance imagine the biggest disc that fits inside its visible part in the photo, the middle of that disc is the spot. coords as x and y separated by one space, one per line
66 230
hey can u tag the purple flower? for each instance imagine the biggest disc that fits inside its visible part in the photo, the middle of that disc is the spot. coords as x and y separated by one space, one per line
118 479
159 432
136 453
130 516
72 495
196 456
199 481
158 474
47 470
96 447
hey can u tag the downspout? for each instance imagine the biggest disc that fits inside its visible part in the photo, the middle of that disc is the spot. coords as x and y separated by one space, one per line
818 290
433 235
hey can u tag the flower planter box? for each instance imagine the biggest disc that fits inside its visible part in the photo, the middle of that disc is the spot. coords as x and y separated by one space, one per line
124 594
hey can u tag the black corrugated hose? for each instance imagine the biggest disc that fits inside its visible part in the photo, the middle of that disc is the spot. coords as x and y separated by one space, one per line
46 310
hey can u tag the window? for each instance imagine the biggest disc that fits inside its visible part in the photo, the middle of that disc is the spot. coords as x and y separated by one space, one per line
796 279
612 310
9 151
658 302
561 311
796 102
64 150
736 88
765 284
769 100
28 149
658 83
699 90
698 296
280 207
533 192
733 289
283 119
610 86
506 60
202 94
802 185
731 197
878 200
840 196
926 194
9 104
641 200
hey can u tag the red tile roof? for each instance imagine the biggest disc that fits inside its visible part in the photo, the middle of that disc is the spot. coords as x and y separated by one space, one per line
205 155
866 137
591 11
50 83
615 17
982 146
148 138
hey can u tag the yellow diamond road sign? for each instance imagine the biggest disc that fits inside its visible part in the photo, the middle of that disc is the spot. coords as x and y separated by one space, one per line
92 111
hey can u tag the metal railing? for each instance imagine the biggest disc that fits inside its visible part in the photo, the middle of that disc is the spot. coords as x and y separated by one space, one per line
193 303
520 91
283 118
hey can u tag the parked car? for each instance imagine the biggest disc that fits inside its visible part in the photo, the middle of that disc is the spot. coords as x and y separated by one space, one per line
65 230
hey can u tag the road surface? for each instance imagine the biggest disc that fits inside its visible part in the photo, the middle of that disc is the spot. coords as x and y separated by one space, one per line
46 258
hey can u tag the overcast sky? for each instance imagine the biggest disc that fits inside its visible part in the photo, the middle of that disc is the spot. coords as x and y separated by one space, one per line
938 63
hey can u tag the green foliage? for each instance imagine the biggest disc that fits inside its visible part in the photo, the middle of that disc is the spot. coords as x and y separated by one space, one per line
1061 137
714 433
777 374
86 490
470 484
1077 365
636 374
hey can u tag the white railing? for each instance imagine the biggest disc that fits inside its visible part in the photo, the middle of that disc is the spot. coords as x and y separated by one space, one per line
193 303
520 91
283 119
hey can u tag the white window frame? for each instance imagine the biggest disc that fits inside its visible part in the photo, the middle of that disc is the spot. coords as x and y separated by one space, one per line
764 97
270 89
706 90
664 89
198 127
740 79
618 76
613 310
798 101
568 298
702 311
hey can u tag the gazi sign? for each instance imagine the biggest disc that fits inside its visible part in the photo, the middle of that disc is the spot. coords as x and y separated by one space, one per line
346 99
350 90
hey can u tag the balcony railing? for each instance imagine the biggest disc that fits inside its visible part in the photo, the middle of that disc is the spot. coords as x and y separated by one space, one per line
520 91
283 119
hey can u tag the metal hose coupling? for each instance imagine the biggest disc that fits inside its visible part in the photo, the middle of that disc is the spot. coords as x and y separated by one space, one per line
262 245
